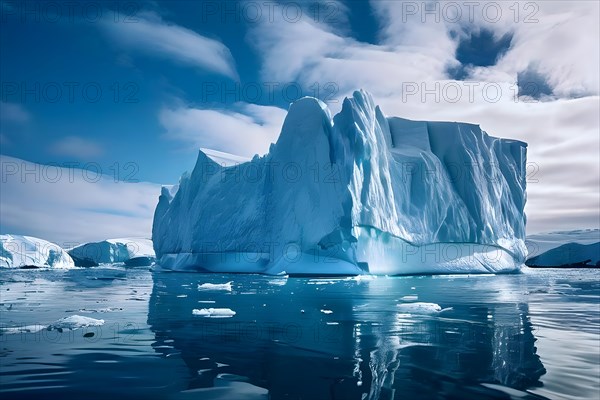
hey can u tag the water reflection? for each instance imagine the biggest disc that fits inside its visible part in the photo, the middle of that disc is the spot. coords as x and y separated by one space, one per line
347 339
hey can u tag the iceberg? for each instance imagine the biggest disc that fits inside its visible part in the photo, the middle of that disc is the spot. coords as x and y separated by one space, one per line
18 251
356 193
539 243
131 251
568 255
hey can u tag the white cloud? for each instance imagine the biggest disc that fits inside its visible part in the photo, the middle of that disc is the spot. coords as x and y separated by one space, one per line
310 53
67 205
245 132
13 113
560 40
13 118
77 147
562 133
151 35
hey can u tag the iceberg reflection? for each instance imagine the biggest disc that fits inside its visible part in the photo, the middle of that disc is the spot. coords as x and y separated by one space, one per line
386 338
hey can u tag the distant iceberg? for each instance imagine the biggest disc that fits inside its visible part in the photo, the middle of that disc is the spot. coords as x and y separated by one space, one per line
131 251
359 193
18 251
539 243
568 255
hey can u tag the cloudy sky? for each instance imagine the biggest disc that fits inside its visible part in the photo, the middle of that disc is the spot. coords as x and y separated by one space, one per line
102 102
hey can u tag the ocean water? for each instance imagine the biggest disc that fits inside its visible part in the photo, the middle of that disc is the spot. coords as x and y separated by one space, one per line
523 336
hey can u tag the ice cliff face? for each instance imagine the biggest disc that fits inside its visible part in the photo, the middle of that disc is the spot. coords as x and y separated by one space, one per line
356 193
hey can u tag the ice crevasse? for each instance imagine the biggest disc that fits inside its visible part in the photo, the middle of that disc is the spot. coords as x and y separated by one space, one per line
352 194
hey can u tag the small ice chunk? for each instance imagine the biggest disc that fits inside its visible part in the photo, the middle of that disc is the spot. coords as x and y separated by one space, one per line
278 281
364 277
75 322
215 286
410 297
214 312
21 329
420 308
327 311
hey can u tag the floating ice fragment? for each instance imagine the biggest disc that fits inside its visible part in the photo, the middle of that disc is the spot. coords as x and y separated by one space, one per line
75 322
321 281
420 308
21 329
410 297
214 312
215 286
361 278
279 281
327 311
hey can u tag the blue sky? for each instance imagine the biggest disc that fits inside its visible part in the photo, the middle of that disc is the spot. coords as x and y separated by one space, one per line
134 89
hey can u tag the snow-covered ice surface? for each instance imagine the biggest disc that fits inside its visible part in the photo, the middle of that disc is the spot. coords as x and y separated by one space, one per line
134 251
356 193
18 251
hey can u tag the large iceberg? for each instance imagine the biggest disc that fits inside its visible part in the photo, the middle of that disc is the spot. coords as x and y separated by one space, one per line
18 251
353 194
